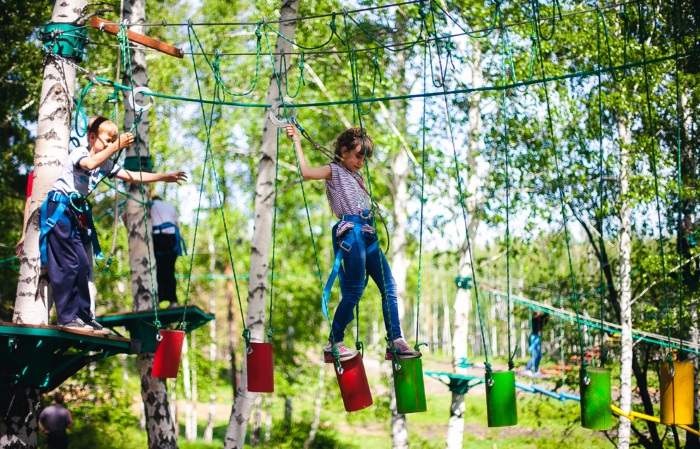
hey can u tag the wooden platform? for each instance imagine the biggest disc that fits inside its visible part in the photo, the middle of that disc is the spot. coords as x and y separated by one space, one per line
45 356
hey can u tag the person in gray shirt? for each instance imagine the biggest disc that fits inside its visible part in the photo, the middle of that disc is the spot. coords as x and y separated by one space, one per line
54 420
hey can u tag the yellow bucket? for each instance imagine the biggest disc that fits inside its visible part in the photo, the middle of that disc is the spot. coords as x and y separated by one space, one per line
677 393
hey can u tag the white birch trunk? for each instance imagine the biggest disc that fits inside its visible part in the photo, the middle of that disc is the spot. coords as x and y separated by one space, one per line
51 150
400 197
160 425
455 430
187 387
19 427
624 428
209 429
318 402
262 236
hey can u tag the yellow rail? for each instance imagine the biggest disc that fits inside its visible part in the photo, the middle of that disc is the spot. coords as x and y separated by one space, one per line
632 415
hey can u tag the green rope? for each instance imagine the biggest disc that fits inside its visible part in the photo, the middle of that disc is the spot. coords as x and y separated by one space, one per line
331 25
123 37
215 65
422 201
653 163
562 196
210 155
505 57
462 204
679 148
601 193
573 75
271 330
278 80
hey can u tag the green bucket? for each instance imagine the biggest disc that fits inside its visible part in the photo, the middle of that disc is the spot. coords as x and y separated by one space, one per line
408 385
596 413
501 408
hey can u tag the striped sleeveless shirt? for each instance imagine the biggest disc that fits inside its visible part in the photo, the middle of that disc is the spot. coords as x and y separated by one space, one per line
347 196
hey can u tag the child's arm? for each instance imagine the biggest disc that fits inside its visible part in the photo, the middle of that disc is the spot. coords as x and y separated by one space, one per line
306 171
92 162
134 177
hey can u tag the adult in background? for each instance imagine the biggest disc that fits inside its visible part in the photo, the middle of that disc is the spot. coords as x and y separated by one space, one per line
54 420
168 245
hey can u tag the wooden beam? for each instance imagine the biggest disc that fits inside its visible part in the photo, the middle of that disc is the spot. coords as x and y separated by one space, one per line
113 28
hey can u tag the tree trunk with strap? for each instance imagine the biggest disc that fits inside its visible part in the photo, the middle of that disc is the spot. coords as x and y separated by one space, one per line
262 235
160 426
18 428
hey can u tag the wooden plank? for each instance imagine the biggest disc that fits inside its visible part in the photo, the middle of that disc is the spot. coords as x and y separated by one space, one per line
112 28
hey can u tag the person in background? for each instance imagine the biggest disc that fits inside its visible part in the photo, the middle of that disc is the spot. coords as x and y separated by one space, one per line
168 245
539 319
54 420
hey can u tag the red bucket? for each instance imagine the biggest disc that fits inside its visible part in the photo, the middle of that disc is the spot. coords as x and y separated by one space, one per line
261 378
168 351
353 384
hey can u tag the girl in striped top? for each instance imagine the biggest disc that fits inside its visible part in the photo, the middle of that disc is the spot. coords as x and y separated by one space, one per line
355 238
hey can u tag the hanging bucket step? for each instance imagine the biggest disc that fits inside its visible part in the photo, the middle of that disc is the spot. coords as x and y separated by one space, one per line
677 393
261 377
354 388
596 413
168 351
408 385
501 408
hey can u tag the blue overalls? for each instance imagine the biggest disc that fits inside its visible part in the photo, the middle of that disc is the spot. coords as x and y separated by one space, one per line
61 244
361 258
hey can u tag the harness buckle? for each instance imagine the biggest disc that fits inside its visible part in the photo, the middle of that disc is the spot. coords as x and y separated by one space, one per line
345 246
365 214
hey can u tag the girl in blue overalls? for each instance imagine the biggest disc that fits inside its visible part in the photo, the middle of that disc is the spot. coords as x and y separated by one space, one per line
354 241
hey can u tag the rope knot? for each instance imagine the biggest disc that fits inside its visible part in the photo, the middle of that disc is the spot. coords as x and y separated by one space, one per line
246 337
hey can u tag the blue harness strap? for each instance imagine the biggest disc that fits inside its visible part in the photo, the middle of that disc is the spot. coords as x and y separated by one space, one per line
336 270
180 248
47 223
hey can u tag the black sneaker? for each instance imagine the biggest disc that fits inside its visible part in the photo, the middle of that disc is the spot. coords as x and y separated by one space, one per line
98 328
77 324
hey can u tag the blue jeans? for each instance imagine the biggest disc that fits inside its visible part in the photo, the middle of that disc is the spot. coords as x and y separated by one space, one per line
357 264
535 354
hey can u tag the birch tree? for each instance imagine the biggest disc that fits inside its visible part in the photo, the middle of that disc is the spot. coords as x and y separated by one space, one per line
460 329
19 428
262 234
626 342
159 422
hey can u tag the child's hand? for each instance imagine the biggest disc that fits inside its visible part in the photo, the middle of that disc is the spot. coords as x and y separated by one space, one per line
177 177
125 140
292 133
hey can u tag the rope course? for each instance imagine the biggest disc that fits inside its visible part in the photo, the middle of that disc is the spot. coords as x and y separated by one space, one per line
341 34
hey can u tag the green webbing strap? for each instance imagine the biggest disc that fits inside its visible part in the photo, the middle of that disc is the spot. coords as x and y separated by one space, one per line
560 188
210 155
123 37
653 162
462 204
